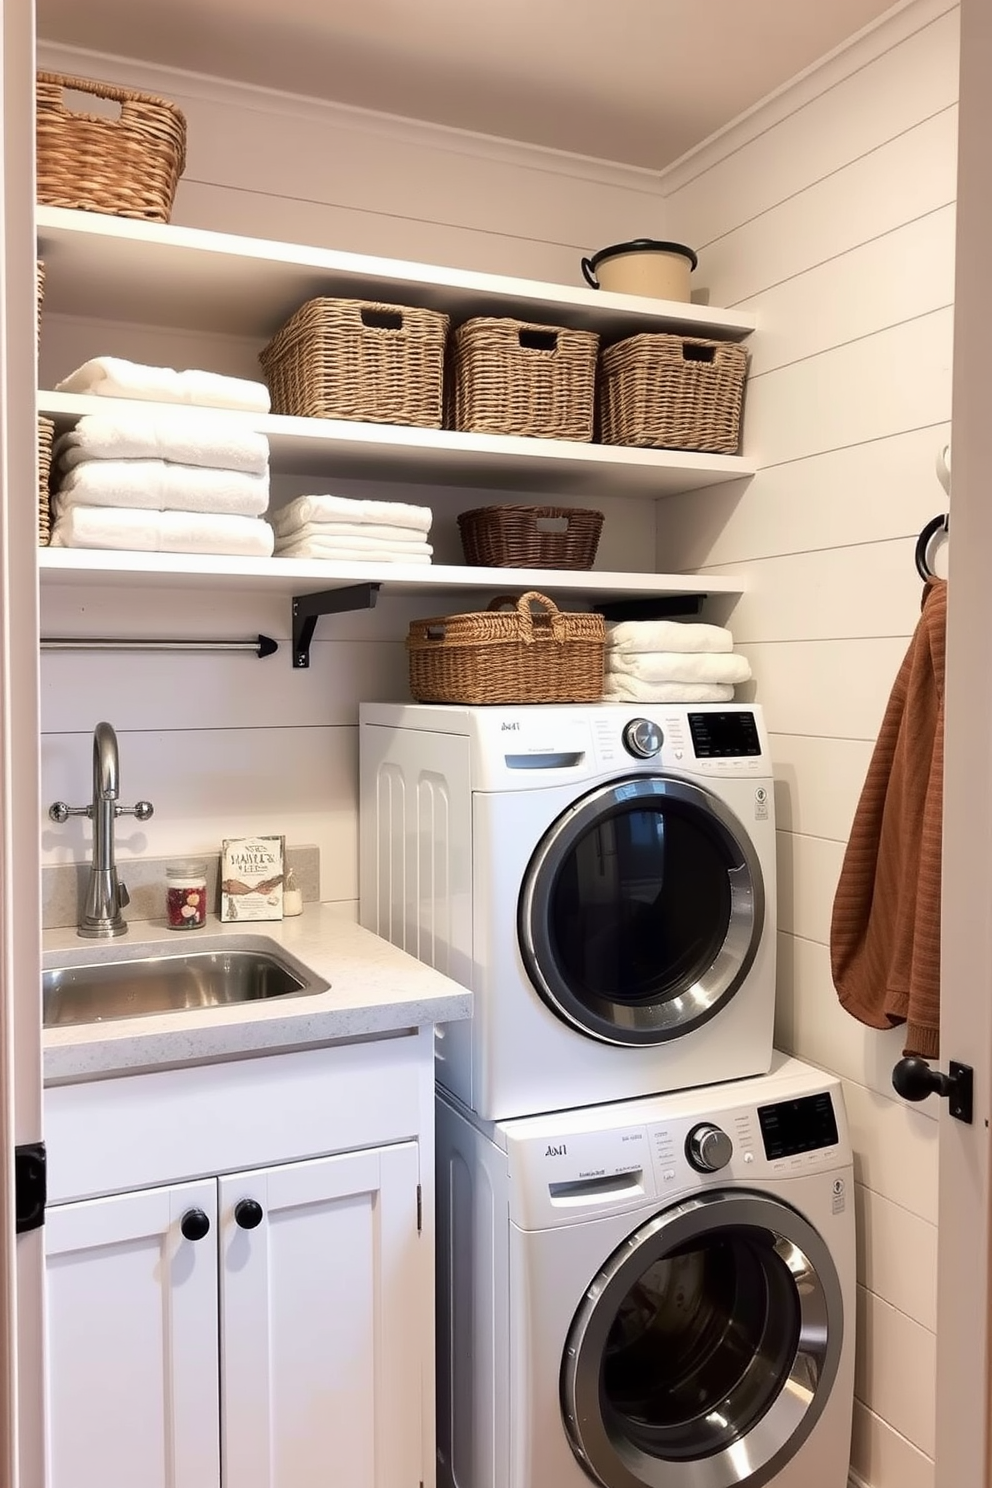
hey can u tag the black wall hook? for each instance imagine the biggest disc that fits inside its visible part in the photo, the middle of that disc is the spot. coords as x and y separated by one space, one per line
926 537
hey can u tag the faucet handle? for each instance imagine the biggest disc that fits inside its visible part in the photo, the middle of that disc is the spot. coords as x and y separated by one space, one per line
143 810
60 812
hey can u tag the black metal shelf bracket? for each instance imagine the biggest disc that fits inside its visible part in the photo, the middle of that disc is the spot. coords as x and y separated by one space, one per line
307 608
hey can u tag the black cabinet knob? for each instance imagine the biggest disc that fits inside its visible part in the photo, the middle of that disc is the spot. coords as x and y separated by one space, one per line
248 1213
194 1224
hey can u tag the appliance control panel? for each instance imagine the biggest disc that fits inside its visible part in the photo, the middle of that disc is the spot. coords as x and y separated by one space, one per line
570 1174
726 741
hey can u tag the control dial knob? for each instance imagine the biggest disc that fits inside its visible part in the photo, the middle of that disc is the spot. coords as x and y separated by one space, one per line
708 1148
642 738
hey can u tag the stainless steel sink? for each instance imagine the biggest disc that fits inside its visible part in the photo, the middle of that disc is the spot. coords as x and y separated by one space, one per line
99 989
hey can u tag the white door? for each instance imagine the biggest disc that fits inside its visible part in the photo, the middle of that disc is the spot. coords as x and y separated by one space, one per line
964 1236
132 1340
322 1271
21 1261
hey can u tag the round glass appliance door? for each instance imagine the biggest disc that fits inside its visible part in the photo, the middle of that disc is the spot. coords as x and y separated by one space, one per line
705 1349
641 910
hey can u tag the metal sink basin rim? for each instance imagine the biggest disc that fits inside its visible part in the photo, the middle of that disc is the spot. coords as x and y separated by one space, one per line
159 981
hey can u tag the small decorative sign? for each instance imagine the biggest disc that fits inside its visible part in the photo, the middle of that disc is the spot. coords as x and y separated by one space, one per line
251 878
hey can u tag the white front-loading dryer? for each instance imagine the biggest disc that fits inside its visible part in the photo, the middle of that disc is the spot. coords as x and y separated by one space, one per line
601 877
657 1293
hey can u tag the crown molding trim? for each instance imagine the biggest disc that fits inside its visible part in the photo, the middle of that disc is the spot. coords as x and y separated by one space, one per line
170 81
864 47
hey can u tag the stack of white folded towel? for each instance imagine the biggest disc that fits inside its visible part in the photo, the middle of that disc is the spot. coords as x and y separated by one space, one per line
348 531
671 661
170 480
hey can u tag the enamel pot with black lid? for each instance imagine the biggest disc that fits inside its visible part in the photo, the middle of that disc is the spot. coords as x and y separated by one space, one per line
643 266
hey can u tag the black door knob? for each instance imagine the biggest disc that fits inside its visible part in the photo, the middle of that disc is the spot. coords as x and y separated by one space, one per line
915 1080
194 1224
248 1213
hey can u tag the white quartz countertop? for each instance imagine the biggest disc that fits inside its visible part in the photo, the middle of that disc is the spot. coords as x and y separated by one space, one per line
374 989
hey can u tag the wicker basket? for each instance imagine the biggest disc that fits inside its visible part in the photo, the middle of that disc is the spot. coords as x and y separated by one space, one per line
128 166
520 657
355 359
46 431
512 377
40 282
673 392
530 536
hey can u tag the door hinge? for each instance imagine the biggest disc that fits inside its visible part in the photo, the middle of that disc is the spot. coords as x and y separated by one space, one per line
30 1186
420 1215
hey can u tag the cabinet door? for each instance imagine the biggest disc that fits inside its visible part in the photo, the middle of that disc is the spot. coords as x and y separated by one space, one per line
322 1346
132 1342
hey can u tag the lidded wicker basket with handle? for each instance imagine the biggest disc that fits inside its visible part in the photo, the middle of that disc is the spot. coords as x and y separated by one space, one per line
494 656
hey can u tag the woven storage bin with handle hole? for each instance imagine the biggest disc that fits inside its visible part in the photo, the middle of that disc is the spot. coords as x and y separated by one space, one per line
354 359
673 392
512 377
46 432
518 657
530 536
127 166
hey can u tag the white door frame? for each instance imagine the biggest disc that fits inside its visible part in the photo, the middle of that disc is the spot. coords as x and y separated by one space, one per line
965 1235
21 1260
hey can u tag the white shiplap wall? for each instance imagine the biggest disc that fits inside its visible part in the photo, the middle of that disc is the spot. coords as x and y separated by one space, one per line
830 213
231 745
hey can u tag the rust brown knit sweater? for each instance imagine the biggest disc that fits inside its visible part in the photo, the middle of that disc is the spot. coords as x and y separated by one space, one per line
885 933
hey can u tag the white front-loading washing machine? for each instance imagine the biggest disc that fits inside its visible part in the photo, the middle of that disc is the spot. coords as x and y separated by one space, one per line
601 877
657 1293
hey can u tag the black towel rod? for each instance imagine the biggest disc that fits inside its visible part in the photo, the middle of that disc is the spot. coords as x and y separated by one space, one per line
926 537
262 645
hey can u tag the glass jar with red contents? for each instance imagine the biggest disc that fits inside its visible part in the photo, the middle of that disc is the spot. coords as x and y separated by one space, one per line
186 895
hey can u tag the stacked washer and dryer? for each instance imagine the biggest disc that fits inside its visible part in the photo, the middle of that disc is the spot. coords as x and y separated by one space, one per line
646 1259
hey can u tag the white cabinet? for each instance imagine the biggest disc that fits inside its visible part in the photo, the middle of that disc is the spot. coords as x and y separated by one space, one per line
268 1325
319 1320
132 1342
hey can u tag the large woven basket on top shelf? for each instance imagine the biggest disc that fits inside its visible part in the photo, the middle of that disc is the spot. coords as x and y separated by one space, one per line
492 656
530 536
511 377
127 166
673 392
355 359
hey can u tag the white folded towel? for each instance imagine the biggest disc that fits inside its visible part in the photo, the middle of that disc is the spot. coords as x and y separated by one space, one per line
667 635
679 666
629 690
366 538
156 485
353 552
185 436
113 377
350 532
161 532
306 509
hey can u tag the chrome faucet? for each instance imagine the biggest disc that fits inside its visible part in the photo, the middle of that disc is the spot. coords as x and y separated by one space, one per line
105 896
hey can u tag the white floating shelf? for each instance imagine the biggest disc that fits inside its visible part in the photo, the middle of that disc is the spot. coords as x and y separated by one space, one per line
441 457
292 576
116 269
